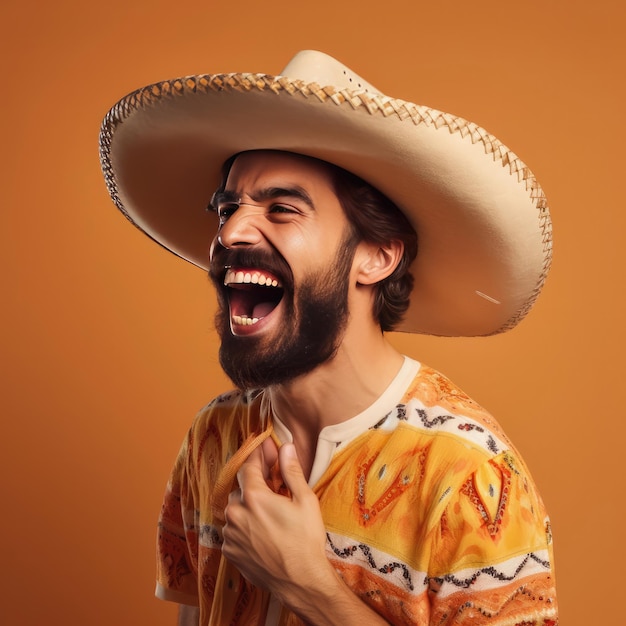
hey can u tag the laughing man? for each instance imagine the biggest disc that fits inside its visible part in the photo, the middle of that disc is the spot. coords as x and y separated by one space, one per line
341 483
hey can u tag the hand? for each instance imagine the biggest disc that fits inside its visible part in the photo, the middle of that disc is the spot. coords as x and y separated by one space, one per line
276 542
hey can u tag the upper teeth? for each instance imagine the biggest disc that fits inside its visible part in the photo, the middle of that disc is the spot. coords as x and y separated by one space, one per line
255 277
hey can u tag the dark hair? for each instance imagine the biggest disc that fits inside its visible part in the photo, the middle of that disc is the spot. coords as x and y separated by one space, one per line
376 219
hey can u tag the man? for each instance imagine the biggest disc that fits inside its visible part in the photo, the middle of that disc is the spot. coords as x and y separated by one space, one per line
342 482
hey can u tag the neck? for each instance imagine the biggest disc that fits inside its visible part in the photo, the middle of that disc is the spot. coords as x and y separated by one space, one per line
363 367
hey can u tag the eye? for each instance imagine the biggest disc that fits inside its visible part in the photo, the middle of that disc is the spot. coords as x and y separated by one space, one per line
282 208
279 213
224 210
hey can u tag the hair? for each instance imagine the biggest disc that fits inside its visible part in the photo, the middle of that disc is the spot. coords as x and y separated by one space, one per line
374 218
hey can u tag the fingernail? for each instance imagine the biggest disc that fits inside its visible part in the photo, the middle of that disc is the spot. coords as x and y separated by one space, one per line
290 450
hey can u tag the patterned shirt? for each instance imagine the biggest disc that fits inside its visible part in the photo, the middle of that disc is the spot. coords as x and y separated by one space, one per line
432 517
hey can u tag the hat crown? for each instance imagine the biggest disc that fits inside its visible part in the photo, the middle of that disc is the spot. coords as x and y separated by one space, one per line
313 66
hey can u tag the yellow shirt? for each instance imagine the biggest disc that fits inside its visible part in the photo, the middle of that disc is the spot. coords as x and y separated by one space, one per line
431 515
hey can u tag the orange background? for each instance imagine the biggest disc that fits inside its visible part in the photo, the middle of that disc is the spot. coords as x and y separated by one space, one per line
108 348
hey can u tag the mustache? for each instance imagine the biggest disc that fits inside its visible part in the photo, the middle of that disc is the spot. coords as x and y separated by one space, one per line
249 258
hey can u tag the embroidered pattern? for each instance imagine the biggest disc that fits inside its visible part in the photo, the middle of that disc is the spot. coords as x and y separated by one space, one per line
382 568
398 486
469 489
492 572
420 512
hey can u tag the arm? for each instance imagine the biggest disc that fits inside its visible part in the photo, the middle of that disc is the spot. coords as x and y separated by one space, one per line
188 615
176 574
278 543
331 603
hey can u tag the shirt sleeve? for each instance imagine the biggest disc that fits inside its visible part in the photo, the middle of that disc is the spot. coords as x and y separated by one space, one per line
491 560
177 558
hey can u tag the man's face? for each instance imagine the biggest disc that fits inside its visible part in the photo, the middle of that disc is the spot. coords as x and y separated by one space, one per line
281 265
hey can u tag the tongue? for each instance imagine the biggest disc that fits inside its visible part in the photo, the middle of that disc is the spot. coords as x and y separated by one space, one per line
262 309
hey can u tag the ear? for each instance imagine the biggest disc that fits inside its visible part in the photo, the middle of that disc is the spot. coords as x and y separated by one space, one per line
375 262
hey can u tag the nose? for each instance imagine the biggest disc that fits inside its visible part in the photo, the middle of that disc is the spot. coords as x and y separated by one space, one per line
242 228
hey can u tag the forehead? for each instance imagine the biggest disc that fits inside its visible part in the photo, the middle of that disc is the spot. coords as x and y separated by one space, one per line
267 168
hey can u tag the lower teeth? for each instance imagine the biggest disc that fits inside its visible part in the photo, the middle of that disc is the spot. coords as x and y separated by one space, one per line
244 320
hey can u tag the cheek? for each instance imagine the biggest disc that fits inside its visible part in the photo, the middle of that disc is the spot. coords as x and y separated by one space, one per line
294 245
313 246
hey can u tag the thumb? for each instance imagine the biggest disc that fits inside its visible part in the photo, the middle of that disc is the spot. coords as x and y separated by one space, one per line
251 470
269 450
291 471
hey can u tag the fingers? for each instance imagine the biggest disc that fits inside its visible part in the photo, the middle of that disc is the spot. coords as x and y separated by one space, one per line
255 472
234 497
251 474
291 471
270 453
258 465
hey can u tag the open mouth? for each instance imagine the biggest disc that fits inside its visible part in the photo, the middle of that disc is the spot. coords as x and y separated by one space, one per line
252 294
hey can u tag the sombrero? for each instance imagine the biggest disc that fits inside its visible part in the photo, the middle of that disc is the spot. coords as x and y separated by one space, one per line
482 220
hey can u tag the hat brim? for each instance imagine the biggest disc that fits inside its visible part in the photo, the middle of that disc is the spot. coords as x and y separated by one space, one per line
482 220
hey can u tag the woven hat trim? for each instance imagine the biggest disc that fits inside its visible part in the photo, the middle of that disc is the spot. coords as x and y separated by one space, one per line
374 104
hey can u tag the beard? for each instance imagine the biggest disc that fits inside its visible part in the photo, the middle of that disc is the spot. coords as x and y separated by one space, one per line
314 320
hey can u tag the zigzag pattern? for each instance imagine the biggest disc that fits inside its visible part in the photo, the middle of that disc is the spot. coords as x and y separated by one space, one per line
487 439
436 421
547 617
492 572
460 583
386 568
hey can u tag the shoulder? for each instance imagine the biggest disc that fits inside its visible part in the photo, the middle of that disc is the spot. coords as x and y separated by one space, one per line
233 404
233 399
224 423
432 388
435 406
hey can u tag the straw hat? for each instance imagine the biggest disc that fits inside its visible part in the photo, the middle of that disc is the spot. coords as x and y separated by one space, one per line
482 220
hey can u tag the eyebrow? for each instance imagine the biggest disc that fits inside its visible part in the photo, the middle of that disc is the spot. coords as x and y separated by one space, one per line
267 193
223 196
294 191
